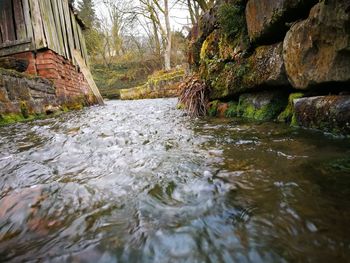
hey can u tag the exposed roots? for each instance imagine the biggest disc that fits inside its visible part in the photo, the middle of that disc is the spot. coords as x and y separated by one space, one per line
194 96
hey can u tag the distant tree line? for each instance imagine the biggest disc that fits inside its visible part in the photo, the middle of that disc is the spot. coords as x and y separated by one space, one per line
140 28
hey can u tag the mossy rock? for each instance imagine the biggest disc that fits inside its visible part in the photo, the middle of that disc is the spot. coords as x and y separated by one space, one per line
10 118
232 110
327 113
210 46
287 115
213 108
264 68
263 106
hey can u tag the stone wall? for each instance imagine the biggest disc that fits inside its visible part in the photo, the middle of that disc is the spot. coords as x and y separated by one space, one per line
162 84
68 80
51 83
277 48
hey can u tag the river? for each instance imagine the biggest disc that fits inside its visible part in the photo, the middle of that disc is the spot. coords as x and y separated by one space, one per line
139 181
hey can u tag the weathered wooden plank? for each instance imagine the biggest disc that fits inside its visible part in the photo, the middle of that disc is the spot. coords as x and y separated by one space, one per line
7 26
49 25
10 50
75 31
63 27
68 22
85 50
37 23
27 19
2 22
82 45
58 27
21 32
15 43
87 74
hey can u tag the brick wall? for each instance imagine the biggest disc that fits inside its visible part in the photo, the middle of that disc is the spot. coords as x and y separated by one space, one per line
67 79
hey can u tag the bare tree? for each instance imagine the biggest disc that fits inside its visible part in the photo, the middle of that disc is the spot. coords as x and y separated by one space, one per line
155 11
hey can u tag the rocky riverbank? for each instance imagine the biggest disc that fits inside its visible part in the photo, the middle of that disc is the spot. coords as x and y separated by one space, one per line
285 60
25 97
161 84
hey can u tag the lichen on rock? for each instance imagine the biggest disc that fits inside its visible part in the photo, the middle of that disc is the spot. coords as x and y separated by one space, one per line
327 113
317 50
267 20
262 106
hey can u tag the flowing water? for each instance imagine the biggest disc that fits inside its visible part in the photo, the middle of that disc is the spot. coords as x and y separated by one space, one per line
141 182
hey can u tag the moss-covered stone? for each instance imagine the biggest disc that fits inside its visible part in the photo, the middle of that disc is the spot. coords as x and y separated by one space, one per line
232 110
263 68
263 106
209 47
287 115
161 84
317 50
10 118
213 108
326 113
231 18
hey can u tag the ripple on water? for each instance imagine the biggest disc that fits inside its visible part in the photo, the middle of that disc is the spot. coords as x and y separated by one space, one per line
137 181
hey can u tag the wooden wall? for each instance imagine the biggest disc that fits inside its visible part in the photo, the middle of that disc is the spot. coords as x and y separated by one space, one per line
29 25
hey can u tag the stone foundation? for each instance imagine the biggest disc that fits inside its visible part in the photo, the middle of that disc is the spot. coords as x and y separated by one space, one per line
51 83
67 79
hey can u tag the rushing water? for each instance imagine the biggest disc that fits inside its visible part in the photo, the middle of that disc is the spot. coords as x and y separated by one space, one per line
141 182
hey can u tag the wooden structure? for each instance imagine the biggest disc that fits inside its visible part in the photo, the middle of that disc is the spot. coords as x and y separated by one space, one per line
49 35
31 25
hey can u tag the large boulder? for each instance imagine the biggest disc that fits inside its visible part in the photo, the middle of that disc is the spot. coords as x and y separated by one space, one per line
267 19
264 68
327 113
317 50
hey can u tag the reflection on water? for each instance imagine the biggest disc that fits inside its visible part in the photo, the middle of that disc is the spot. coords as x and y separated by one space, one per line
140 182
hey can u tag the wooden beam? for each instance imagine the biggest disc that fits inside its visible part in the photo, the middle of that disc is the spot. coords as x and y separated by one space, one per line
58 28
75 31
37 24
15 43
15 49
49 25
27 19
87 74
69 30
64 29
7 26
21 31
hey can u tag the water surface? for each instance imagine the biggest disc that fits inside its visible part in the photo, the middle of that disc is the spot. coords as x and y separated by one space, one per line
141 182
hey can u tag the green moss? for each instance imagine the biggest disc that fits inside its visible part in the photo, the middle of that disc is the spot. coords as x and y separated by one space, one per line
213 108
160 84
204 49
261 107
180 106
294 121
231 19
232 110
287 114
24 109
10 118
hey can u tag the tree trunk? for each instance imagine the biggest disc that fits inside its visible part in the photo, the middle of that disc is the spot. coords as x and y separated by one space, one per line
167 53
156 39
